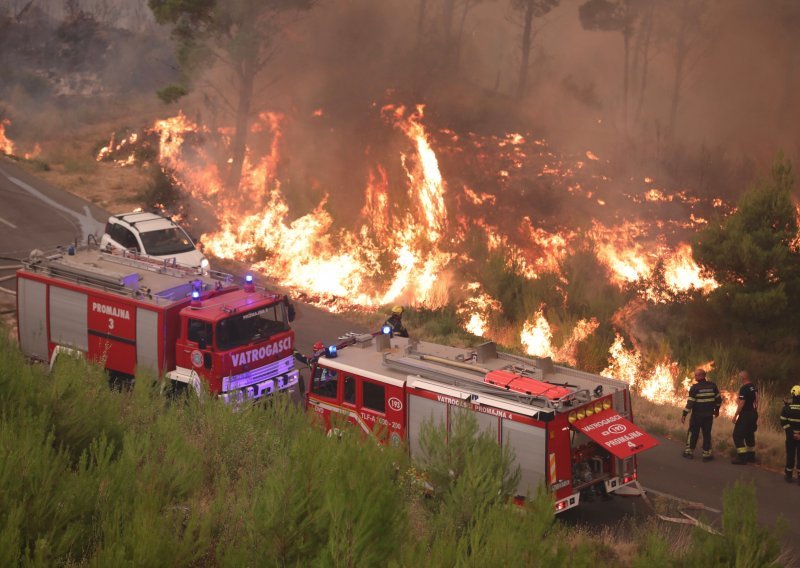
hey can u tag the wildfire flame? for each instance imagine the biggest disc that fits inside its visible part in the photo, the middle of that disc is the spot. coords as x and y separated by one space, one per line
406 244
6 145
537 338
476 310
657 384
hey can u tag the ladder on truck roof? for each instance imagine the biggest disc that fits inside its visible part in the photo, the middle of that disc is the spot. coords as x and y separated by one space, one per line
166 266
462 375
59 265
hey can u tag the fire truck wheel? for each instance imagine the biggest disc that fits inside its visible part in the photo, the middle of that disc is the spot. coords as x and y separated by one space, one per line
120 381
175 390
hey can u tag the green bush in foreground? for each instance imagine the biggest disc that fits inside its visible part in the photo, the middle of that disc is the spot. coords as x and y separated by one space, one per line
98 477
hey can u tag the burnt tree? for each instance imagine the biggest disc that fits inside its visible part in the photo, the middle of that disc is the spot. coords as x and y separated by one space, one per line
239 36
529 10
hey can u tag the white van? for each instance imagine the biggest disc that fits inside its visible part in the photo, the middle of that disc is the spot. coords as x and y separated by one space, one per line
154 236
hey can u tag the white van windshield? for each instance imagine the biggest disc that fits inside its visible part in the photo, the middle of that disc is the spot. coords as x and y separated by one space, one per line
166 241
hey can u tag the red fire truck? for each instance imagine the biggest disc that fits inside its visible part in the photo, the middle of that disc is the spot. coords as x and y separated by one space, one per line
570 430
135 313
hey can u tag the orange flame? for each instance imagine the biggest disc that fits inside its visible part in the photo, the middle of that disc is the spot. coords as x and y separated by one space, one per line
537 337
657 384
476 310
6 145
306 254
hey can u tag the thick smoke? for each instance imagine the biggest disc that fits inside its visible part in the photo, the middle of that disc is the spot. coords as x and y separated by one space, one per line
337 64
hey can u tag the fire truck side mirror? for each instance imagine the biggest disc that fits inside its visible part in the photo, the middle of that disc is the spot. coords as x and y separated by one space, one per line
290 311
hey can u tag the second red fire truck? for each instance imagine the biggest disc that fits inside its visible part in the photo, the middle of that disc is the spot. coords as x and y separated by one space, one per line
133 313
569 429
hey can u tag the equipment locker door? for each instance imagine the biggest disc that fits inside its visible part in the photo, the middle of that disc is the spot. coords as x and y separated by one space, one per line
147 340
528 442
32 300
68 318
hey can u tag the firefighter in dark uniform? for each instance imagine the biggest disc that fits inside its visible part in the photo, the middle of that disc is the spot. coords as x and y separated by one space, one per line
395 321
790 421
745 422
704 402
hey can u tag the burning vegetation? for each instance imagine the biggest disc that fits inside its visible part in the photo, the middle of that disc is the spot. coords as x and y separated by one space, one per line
425 230
540 207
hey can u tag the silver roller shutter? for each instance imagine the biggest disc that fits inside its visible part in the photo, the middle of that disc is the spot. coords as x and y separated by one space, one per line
528 443
32 318
421 410
146 340
68 318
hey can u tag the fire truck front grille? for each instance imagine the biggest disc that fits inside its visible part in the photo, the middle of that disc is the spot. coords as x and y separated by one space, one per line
235 382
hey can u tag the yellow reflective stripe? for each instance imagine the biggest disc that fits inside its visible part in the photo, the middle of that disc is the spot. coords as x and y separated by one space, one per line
741 450
786 427
691 398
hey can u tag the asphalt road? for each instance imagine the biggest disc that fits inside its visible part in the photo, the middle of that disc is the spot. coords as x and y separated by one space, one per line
36 215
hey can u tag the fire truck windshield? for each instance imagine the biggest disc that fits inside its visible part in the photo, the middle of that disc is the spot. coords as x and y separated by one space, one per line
253 326
166 241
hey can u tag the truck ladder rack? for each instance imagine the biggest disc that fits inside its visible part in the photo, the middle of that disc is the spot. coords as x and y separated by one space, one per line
171 268
457 376
86 275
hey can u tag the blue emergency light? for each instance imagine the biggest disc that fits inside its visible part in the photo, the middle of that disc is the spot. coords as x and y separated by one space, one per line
330 352
195 294
248 283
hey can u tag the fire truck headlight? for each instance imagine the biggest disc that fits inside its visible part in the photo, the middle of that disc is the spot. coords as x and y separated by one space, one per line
204 264
386 330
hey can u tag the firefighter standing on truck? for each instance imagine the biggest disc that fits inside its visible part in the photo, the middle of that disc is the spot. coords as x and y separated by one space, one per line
790 421
745 422
704 402
395 321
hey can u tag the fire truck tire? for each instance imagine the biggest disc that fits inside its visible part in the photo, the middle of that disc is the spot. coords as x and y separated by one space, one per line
120 381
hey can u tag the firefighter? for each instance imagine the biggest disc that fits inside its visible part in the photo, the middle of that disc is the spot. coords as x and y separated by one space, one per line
790 421
704 402
745 422
395 321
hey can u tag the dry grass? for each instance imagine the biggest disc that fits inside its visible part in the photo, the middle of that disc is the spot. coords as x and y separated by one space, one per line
68 144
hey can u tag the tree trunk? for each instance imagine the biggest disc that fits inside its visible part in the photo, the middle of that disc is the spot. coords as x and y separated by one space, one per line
423 8
646 40
681 51
467 6
527 42
448 15
626 40
247 77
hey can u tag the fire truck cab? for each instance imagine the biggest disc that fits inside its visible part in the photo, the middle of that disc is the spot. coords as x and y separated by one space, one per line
569 429
131 313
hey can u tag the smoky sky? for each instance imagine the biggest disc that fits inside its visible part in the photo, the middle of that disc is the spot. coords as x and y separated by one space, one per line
739 99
